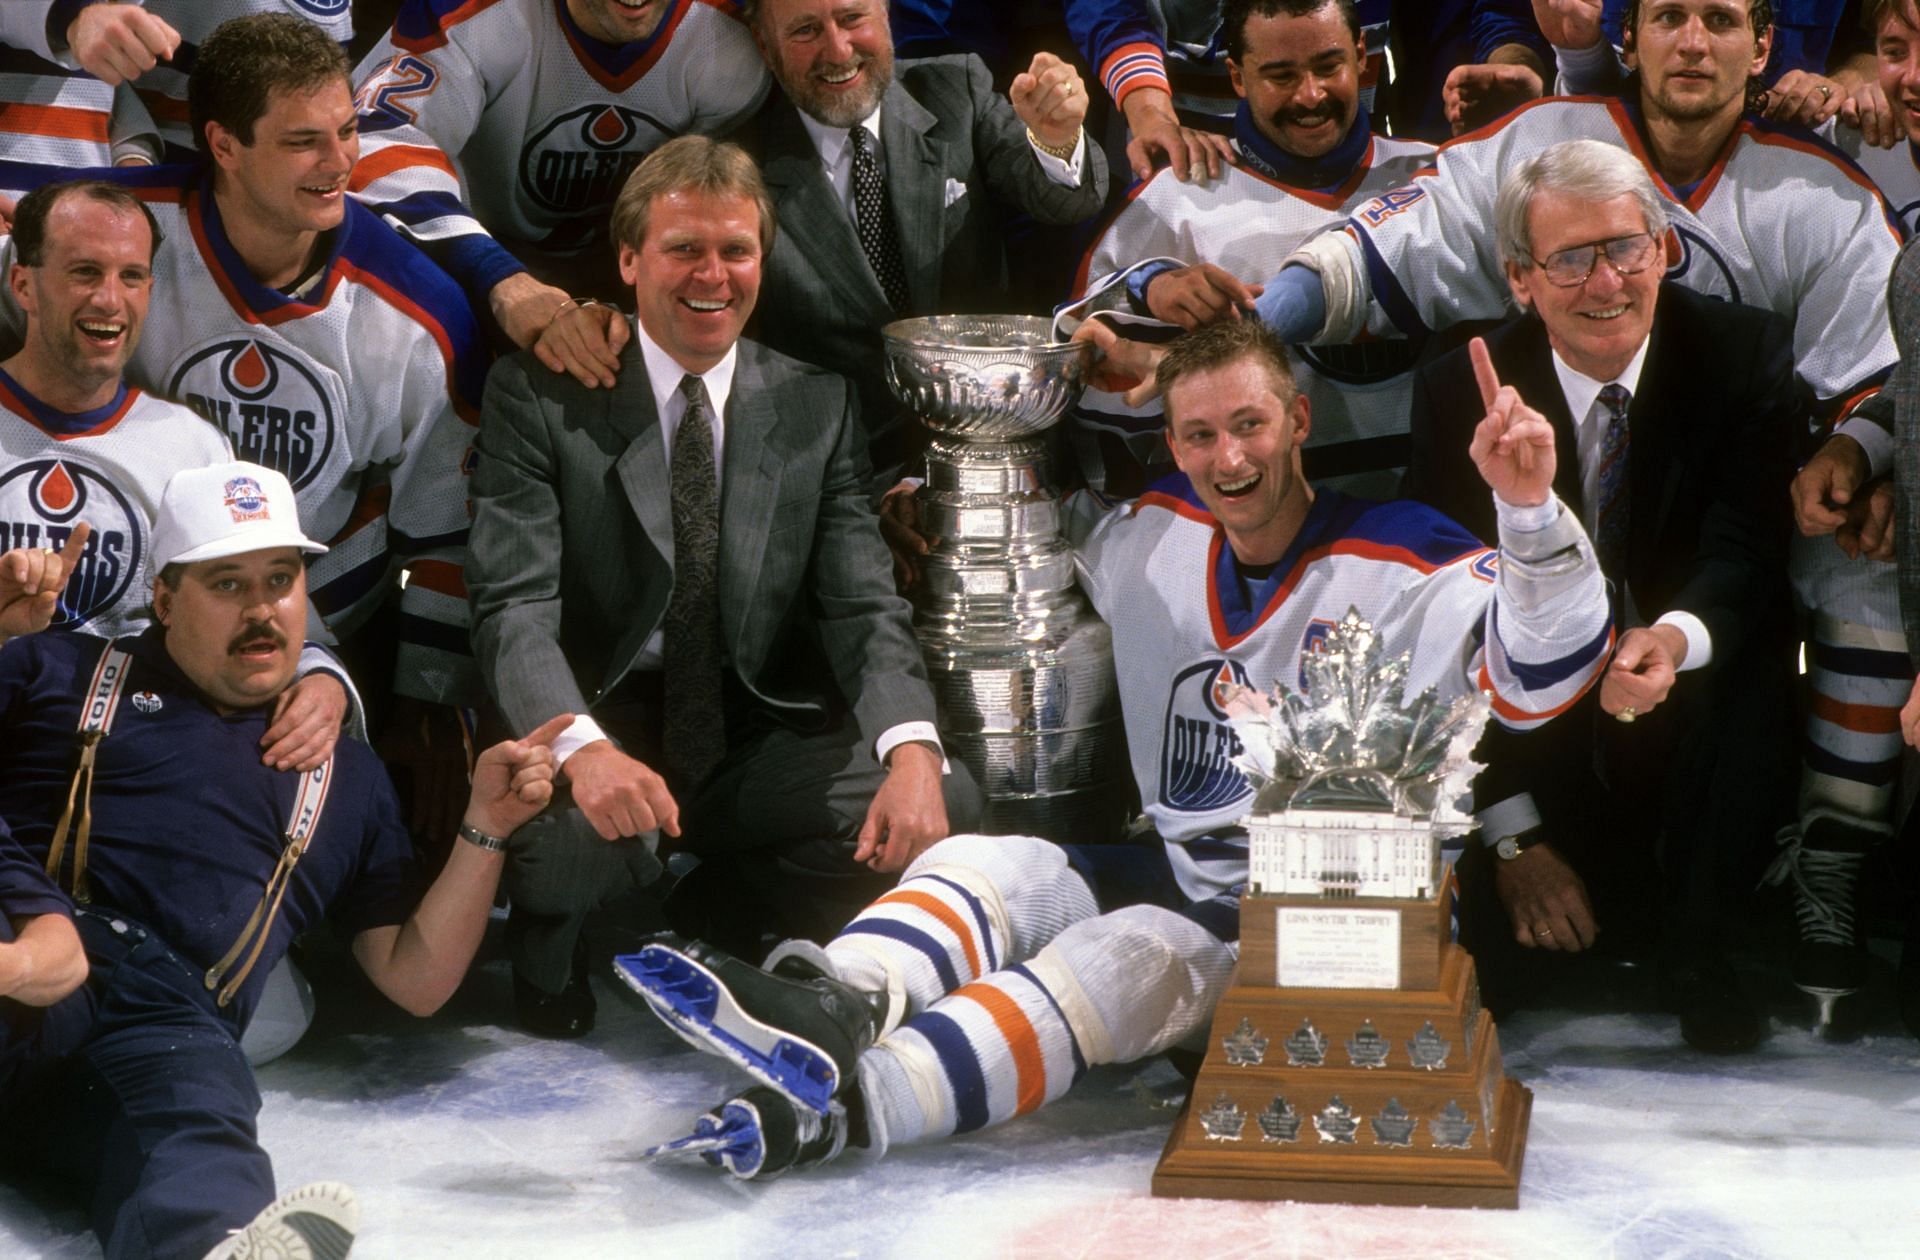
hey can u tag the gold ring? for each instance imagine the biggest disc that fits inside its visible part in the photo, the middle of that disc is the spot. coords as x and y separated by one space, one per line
1826 92
1627 714
48 551
1543 931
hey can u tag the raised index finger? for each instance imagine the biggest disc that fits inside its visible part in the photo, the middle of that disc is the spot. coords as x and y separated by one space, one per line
1483 371
70 553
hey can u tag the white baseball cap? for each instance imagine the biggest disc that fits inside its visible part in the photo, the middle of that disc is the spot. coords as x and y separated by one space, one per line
225 510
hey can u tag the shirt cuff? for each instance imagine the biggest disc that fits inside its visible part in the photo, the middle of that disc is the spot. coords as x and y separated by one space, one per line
1585 69
1509 817
1694 630
1526 520
1068 172
1874 440
894 736
580 732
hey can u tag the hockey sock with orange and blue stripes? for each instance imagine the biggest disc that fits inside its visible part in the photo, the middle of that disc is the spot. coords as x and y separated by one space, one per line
1107 990
1860 676
968 906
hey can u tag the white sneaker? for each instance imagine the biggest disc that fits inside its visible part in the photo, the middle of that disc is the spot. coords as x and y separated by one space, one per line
315 1222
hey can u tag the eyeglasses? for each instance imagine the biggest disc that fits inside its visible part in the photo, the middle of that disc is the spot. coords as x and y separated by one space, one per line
1627 255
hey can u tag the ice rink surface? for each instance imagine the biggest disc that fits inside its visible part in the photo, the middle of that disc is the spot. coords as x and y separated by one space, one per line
467 1139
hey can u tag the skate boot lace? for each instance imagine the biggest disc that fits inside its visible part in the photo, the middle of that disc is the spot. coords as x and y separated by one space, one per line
1824 881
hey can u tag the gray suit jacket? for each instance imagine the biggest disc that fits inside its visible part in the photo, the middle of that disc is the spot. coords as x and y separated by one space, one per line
957 163
571 559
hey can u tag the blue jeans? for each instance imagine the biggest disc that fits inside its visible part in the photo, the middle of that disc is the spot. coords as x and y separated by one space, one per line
134 1088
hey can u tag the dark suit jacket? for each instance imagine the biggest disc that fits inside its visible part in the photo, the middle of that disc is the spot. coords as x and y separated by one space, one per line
571 560
1712 432
1713 429
957 162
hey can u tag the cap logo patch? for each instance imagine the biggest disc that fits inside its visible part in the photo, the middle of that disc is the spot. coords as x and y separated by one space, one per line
246 500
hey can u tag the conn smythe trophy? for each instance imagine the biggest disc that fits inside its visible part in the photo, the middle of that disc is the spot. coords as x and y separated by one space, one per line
1021 667
1351 1060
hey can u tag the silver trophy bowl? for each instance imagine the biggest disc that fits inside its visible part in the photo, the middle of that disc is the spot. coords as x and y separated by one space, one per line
1022 669
989 378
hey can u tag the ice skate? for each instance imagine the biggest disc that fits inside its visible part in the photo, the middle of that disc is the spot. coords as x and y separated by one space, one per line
761 1134
795 1029
315 1222
1823 858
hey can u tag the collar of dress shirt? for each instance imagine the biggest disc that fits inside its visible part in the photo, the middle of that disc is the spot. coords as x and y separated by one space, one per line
1581 389
831 142
664 374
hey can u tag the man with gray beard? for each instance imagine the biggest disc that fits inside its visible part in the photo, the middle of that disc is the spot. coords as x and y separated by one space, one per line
891 188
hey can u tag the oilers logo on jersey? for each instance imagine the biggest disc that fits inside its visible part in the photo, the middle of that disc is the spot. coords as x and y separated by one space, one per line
324 8
1198 745
1693 261
41 500
273 407
576 163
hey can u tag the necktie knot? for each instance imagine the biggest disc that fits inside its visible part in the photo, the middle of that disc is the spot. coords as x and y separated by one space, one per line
1615 398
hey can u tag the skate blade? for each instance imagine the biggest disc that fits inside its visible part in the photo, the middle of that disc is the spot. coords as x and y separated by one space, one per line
693 1002
1832 1021
732 1142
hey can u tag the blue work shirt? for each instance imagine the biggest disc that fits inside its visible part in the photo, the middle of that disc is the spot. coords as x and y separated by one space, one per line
188 825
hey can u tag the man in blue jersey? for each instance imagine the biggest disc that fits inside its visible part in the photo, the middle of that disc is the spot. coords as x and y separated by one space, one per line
194 867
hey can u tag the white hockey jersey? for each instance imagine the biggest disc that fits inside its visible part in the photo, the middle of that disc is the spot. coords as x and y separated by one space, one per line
504 113
106 467
1895 171
1247 223
1187 623
57 114
1780 221
364 393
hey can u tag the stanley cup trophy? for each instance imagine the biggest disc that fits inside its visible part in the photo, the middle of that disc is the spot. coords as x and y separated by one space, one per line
1021 666
1351 1060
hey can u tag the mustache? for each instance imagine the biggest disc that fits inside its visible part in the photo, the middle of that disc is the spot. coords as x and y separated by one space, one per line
256 633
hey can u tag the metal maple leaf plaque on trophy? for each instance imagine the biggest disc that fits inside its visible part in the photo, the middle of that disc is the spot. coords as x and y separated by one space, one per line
1345 928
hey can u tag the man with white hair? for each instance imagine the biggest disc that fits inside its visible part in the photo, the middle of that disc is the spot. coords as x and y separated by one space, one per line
193 867
1678 413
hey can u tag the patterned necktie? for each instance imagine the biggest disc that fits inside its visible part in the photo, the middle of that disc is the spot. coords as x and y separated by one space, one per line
693 725
1610 536
873 216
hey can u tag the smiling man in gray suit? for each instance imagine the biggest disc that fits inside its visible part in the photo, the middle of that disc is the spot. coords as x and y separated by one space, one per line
894 188
719 607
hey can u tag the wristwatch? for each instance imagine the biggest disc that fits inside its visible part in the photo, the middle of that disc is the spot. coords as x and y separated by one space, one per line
1507 848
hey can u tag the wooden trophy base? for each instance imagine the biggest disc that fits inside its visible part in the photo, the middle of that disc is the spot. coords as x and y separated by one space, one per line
1388 1095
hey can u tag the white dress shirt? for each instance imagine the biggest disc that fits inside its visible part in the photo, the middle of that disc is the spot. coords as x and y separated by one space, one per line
664 375
1582 393
836 155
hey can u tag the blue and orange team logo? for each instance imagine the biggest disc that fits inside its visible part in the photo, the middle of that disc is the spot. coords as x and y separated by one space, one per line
1313 642
576 164
1197 745
273 406
246 500
41 500
324 8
